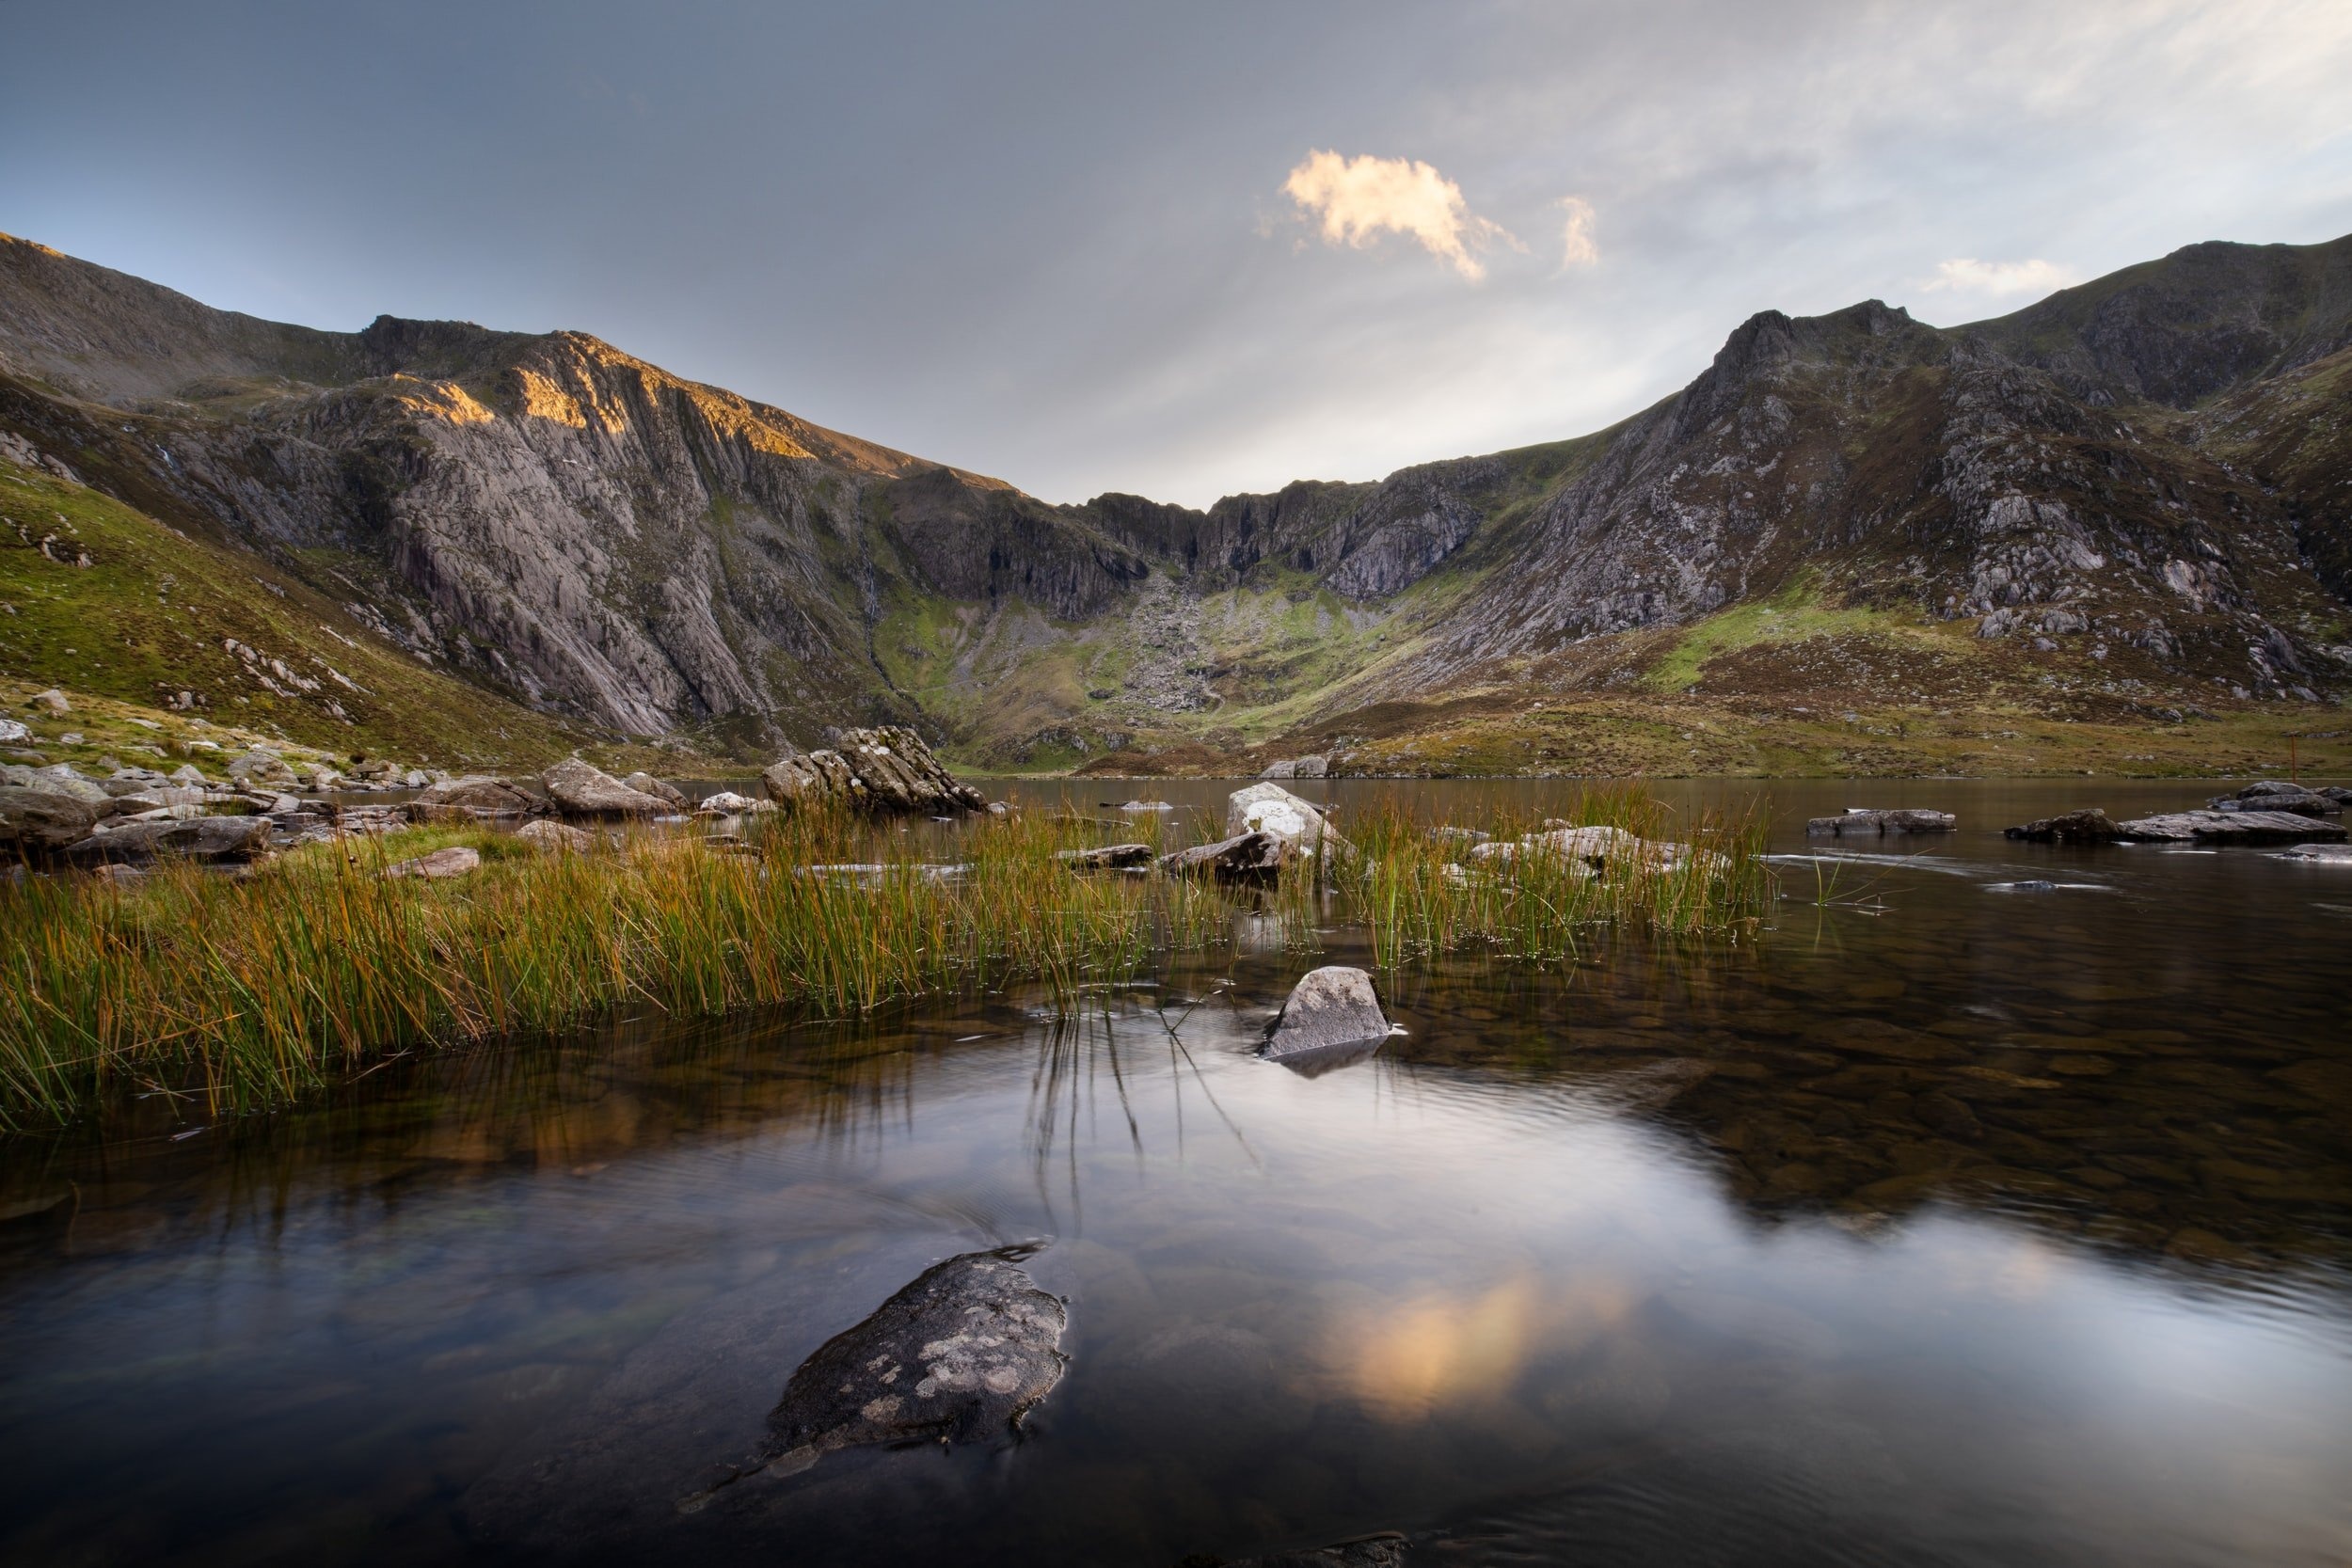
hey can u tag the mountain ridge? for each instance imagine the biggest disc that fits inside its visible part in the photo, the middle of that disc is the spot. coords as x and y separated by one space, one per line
2106 480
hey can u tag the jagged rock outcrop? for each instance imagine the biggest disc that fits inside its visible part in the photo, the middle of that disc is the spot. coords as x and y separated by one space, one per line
890 770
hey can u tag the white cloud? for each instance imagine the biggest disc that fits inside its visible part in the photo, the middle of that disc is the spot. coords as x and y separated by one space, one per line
1577 248
1967 275
1357 198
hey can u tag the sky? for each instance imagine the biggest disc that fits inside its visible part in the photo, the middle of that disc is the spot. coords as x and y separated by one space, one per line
1178 251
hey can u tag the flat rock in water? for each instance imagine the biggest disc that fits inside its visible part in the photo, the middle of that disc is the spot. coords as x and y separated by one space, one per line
1386 1549
2088 826
1105 857
1245 857
2233 827
200 838
455 860
2333 854
2280 795
1869 823
1332 1008
965 1351
582 789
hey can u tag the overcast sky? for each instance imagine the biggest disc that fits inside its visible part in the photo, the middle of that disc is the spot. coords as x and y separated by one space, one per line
1174 248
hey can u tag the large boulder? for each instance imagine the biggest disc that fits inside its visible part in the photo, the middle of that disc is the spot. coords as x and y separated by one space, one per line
60 779
13 733
38 822
198 838
2233 827
962 1354
645 784
579 788
1861 821
1299 825
2088 826
555 838
1332 1008
455 860
52 701
889 770
2278 795
473 797
1251 857
1298 767
261 767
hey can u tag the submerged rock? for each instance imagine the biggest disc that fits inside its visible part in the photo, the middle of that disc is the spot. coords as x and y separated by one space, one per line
1332 1008
2088 826
1870 823
580 788
1105 857
963 1353
455 860
2333 854
2233 827
1242 858
1388 1549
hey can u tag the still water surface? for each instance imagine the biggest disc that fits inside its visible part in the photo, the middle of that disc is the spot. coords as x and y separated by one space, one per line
1997 1227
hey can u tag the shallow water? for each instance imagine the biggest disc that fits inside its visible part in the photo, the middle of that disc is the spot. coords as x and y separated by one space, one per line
1943 1224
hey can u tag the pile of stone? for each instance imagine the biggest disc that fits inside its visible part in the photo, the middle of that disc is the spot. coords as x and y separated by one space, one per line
889 770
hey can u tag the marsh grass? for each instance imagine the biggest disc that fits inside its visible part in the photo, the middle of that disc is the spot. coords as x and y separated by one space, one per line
237 994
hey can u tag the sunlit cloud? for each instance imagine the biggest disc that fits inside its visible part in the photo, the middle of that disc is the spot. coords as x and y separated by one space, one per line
1577 247
1967 275
1357 200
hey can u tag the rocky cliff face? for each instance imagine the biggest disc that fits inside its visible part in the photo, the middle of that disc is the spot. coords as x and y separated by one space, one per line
2151 467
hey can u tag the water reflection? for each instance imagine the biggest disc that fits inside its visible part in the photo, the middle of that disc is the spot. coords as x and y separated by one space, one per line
1969 1232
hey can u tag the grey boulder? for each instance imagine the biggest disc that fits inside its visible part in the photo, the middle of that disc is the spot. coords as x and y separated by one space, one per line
1331 1009
580 788
60 779
889 770
645 784
1252 857
1871 823
261 767
1105 857
195 838
1300 825
2088 826
473 797
555 838
963 1353
2277 795
40 820
2233 827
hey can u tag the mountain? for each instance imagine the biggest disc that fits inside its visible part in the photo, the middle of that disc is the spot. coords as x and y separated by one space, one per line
1853 542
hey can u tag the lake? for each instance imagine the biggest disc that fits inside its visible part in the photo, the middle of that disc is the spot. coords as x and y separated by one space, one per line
1938 1221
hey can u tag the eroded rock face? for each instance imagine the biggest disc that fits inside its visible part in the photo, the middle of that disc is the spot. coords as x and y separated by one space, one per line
579 788
1332 1008
1297 825
1871 824
889 770
2233 827
965 1351
2088 826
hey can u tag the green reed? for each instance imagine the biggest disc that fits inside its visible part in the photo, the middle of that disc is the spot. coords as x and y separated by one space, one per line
243 992
1420 892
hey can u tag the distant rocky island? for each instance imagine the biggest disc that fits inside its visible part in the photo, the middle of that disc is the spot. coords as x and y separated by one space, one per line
2110 532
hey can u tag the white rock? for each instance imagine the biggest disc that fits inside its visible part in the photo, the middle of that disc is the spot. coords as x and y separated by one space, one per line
1270 809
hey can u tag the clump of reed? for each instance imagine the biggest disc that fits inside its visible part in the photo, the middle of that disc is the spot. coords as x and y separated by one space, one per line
246 991
1419 891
